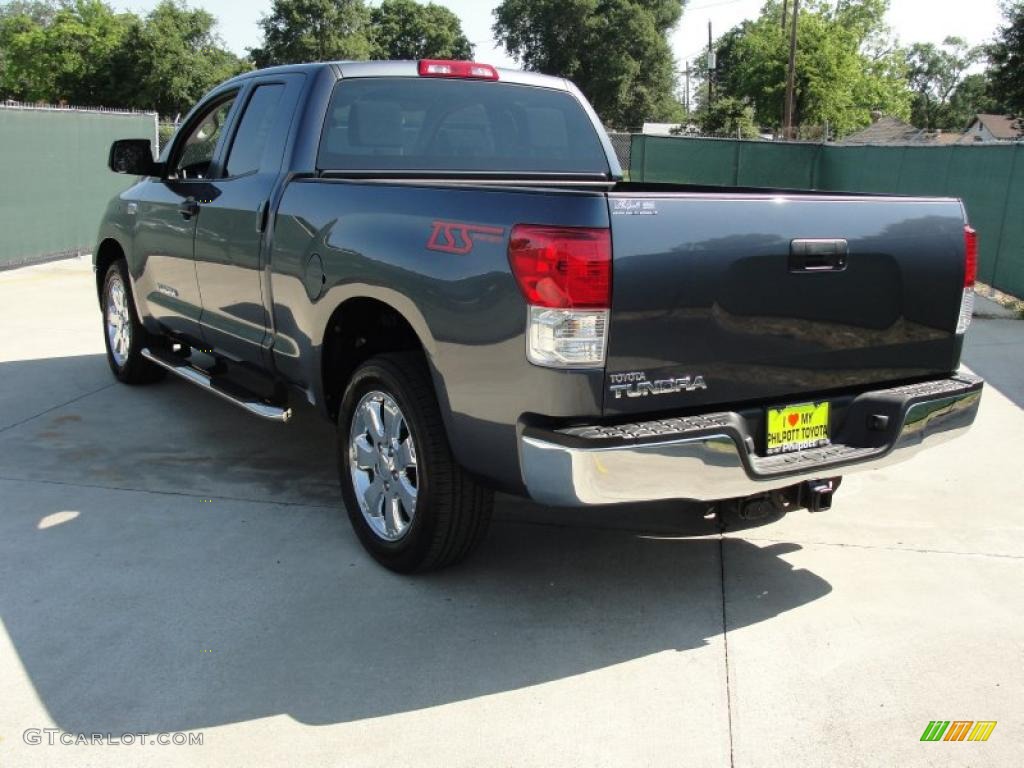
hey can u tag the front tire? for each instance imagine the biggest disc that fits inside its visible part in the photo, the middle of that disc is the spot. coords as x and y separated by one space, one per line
411 505
123 333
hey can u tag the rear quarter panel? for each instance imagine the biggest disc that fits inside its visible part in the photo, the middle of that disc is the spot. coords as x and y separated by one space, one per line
372 239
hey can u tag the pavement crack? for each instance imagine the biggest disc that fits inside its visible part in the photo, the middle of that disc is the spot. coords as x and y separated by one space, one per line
56 408
725 643
182 494
886 547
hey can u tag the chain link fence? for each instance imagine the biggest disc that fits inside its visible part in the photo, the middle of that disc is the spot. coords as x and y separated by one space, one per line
165 132
622 143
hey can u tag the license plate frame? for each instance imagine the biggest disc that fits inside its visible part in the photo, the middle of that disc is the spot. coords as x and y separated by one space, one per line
799 427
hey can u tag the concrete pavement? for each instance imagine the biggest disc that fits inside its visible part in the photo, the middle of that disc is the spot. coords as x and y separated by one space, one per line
168 563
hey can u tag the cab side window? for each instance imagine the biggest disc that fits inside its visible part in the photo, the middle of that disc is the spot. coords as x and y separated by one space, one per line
252 149
196 154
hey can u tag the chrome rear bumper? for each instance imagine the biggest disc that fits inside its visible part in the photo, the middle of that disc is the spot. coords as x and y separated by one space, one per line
710 457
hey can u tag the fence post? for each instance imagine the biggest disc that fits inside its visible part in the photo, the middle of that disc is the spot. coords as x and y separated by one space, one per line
637 157
1006 212
949 161
819 158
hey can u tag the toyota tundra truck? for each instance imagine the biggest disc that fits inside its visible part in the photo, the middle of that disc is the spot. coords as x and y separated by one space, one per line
445 259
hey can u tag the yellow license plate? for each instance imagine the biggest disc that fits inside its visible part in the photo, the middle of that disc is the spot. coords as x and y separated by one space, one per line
797 427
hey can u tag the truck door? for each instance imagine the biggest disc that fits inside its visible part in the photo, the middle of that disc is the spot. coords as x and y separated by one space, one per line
165 283
232 222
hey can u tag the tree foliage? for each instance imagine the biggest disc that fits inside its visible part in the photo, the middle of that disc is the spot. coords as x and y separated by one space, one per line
936 74
60 52
616 51
176 57
727 116
1006 56
404 29
330 30
313 30
83 52
846 65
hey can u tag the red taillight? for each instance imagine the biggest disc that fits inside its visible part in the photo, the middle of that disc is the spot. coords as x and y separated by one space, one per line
465 69
562 267
970 257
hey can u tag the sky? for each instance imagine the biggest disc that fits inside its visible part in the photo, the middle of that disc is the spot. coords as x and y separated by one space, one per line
911 20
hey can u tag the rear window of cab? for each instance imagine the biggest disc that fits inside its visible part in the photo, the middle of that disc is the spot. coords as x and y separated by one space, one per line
418 124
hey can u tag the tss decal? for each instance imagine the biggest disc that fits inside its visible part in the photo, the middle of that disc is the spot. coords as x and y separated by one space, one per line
453 237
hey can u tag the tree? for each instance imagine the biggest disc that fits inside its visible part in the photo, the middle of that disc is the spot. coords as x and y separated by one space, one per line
404 29
83 52
971 97
935 73
846 65
727 116
1006 56
171 59
60 53
38 11
314 30
16 19
617 51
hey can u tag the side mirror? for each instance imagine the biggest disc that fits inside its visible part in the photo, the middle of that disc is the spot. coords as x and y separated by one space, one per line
134 157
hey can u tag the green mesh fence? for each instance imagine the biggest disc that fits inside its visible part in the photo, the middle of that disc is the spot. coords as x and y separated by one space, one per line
56 182
989 179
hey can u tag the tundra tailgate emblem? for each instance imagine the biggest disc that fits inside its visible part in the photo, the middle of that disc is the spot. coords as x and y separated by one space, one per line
637 385
454 237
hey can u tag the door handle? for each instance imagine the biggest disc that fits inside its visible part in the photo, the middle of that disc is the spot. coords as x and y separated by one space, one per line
818 255
261 216
188 209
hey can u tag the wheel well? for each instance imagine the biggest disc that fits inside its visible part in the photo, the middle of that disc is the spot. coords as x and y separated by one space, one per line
109 252
358 330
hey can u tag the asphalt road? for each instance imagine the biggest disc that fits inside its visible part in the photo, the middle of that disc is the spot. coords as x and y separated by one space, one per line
168 563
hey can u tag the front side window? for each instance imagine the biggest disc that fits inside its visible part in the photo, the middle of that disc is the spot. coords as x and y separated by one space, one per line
421 124
197 152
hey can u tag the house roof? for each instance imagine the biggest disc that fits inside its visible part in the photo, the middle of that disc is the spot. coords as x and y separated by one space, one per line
892 130
1003 127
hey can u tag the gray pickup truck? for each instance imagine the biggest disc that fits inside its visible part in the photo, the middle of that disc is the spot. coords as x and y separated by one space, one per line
445 260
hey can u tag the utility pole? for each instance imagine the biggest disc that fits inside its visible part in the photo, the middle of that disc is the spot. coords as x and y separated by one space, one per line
787 130
687 90
711 68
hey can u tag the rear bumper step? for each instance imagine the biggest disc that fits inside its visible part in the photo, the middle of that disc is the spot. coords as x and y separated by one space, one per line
711 457
245 400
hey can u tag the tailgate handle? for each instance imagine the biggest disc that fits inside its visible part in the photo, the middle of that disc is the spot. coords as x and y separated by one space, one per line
818 255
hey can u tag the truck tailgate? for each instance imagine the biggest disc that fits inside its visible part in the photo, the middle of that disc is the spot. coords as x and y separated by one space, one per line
733 298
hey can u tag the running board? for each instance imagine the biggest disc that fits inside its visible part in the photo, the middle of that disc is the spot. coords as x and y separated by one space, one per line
248 401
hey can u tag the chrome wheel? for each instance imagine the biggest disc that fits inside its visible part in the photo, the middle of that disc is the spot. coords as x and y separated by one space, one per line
119 323
382 460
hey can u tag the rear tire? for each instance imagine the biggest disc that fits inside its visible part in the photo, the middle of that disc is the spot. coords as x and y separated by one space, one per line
123 333
411 505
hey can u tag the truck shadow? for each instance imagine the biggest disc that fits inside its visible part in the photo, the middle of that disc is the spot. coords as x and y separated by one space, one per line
992 350
154 611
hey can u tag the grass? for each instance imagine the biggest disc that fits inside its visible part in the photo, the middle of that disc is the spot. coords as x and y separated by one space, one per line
1003 299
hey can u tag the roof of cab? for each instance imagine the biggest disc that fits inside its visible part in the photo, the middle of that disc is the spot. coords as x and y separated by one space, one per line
348 69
